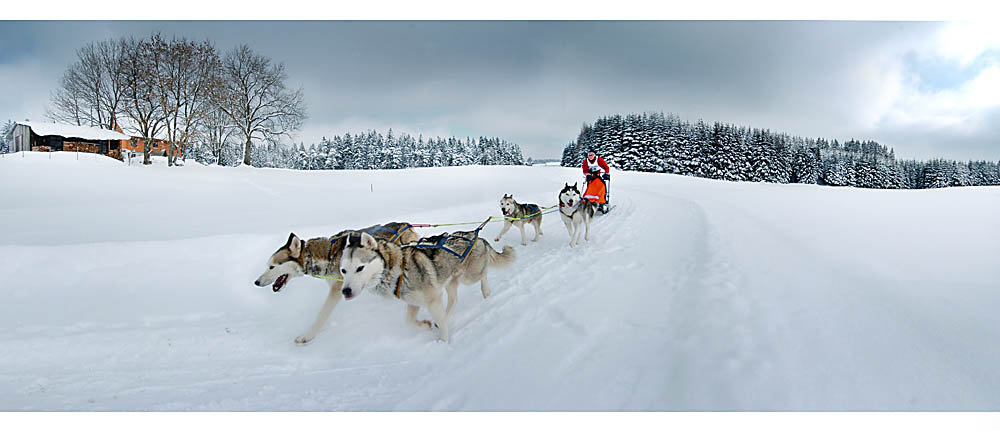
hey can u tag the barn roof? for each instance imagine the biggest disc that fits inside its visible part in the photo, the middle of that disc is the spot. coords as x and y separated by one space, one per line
84 132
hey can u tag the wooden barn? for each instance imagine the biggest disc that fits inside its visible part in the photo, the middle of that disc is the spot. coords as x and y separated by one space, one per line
55 137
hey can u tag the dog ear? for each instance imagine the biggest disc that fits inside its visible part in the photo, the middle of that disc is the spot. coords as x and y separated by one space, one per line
574 185
294 245
368 241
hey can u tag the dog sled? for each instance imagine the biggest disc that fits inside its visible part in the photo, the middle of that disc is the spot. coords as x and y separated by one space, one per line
598 191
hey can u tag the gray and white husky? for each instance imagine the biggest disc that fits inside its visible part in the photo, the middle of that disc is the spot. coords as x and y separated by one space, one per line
517 214
320 257
575 211
415 274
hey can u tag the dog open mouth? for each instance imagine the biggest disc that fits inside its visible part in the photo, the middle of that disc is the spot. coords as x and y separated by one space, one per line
279 283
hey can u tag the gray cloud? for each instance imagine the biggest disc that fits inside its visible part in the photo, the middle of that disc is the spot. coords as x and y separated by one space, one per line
536 82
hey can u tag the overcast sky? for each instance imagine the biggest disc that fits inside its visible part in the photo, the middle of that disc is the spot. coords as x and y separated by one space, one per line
925 89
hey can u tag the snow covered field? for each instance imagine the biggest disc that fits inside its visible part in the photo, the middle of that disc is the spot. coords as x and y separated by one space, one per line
130 288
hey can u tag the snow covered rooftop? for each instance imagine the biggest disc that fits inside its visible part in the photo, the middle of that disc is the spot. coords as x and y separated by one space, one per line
83 132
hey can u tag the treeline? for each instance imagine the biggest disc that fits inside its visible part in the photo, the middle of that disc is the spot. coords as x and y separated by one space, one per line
652 142
372 150
180 90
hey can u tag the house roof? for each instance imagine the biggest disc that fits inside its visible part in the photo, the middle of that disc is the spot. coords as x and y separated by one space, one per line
84 132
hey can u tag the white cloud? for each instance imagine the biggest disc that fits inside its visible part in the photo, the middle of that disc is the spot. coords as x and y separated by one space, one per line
903 103
965 41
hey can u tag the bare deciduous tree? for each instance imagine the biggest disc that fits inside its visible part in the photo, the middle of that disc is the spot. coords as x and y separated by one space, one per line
255 98
184 82
141 103
217 132
68 102
92 88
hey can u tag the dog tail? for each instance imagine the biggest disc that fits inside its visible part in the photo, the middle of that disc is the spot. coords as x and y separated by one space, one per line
499 260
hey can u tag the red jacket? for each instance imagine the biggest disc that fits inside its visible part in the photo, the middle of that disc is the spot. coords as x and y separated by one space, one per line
600 162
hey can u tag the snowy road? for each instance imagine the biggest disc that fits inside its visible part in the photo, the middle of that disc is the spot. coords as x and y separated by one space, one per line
691 295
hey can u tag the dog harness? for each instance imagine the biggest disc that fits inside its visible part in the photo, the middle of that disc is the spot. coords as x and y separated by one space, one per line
395 234
575 208
533 210
440 244
399 284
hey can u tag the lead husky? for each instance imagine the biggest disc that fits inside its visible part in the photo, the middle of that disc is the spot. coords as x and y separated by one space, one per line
415 275
321 257
575 210
517 214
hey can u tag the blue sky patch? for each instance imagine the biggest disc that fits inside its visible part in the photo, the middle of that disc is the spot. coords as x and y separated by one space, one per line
937 73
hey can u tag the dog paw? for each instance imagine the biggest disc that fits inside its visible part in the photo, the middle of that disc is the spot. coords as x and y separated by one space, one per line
303 340
524 244
425 324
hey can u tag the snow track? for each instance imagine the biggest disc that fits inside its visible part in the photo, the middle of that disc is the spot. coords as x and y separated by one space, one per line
691 295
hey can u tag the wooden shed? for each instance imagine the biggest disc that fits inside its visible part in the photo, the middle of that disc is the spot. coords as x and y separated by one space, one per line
55 137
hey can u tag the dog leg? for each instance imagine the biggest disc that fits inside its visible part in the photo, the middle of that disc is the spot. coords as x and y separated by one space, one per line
587 235
452 289
569 228
538 229
411 317
522 234
484 286
332 299
506 226
440 318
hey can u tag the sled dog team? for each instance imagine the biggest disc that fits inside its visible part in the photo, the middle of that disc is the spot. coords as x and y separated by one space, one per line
393 261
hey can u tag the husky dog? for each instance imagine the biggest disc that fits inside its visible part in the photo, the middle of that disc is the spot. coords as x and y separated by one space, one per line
415 273
517 214
575 210
321 257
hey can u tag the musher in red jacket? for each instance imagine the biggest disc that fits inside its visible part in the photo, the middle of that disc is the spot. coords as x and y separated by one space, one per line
595 163
594 166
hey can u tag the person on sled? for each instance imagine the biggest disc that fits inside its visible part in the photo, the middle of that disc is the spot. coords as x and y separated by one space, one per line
594 168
